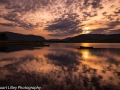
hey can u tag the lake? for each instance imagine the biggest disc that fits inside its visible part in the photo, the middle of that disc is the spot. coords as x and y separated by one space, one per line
61 66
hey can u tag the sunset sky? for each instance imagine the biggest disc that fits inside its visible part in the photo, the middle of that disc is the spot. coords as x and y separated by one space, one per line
60 18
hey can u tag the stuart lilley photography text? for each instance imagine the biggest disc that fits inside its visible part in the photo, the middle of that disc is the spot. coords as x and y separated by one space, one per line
20 87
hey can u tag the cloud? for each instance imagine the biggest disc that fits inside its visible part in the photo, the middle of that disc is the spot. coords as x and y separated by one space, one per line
96 3
68 24
63 57
4 1
93 3
25 6
104 13
117 11
100 31
108 30
113 24
64 16
111 17
11 17
116 31
15 18
86 2
7 24
90 14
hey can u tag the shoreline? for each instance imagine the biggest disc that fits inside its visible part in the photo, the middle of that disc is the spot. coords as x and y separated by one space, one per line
11 43
44 42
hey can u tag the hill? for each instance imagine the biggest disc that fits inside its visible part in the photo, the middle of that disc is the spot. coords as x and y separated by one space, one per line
22 37
96 38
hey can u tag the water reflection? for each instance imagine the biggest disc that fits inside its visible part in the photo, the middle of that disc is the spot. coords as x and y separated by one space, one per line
85 54
62 69
18 48
63 57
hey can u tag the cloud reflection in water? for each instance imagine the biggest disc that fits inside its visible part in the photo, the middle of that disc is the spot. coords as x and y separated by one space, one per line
63 69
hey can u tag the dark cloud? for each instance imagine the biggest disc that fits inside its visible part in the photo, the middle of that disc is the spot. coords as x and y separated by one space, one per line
4 1
11 17
63 57
24 5
7 24
23 13
99 31
117 11
19 8
111 17
68 24
90 14
27 25
114 31
15 18
112 6
86 2
96 4
118 19
69 3
15 7
113 24
104 13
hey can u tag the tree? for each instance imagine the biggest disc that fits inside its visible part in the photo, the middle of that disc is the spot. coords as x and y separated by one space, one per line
3 36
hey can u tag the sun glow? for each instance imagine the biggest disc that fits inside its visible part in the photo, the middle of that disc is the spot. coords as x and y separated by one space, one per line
85 54
86 30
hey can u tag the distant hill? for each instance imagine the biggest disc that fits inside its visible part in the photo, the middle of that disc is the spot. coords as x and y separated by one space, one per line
22 37
96 38
54 39
59 40
66 39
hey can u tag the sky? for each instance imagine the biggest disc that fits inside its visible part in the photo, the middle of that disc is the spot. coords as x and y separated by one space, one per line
60 18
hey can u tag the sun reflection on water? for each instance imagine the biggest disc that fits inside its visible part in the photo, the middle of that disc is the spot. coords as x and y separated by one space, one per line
85 54
85 44
67 68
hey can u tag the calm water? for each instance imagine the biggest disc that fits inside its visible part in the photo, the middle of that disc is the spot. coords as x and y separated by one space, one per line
61 67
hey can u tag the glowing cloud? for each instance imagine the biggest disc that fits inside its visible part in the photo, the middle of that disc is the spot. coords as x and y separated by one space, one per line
61 17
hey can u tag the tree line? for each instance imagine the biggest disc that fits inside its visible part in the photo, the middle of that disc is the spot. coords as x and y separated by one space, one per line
3 36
